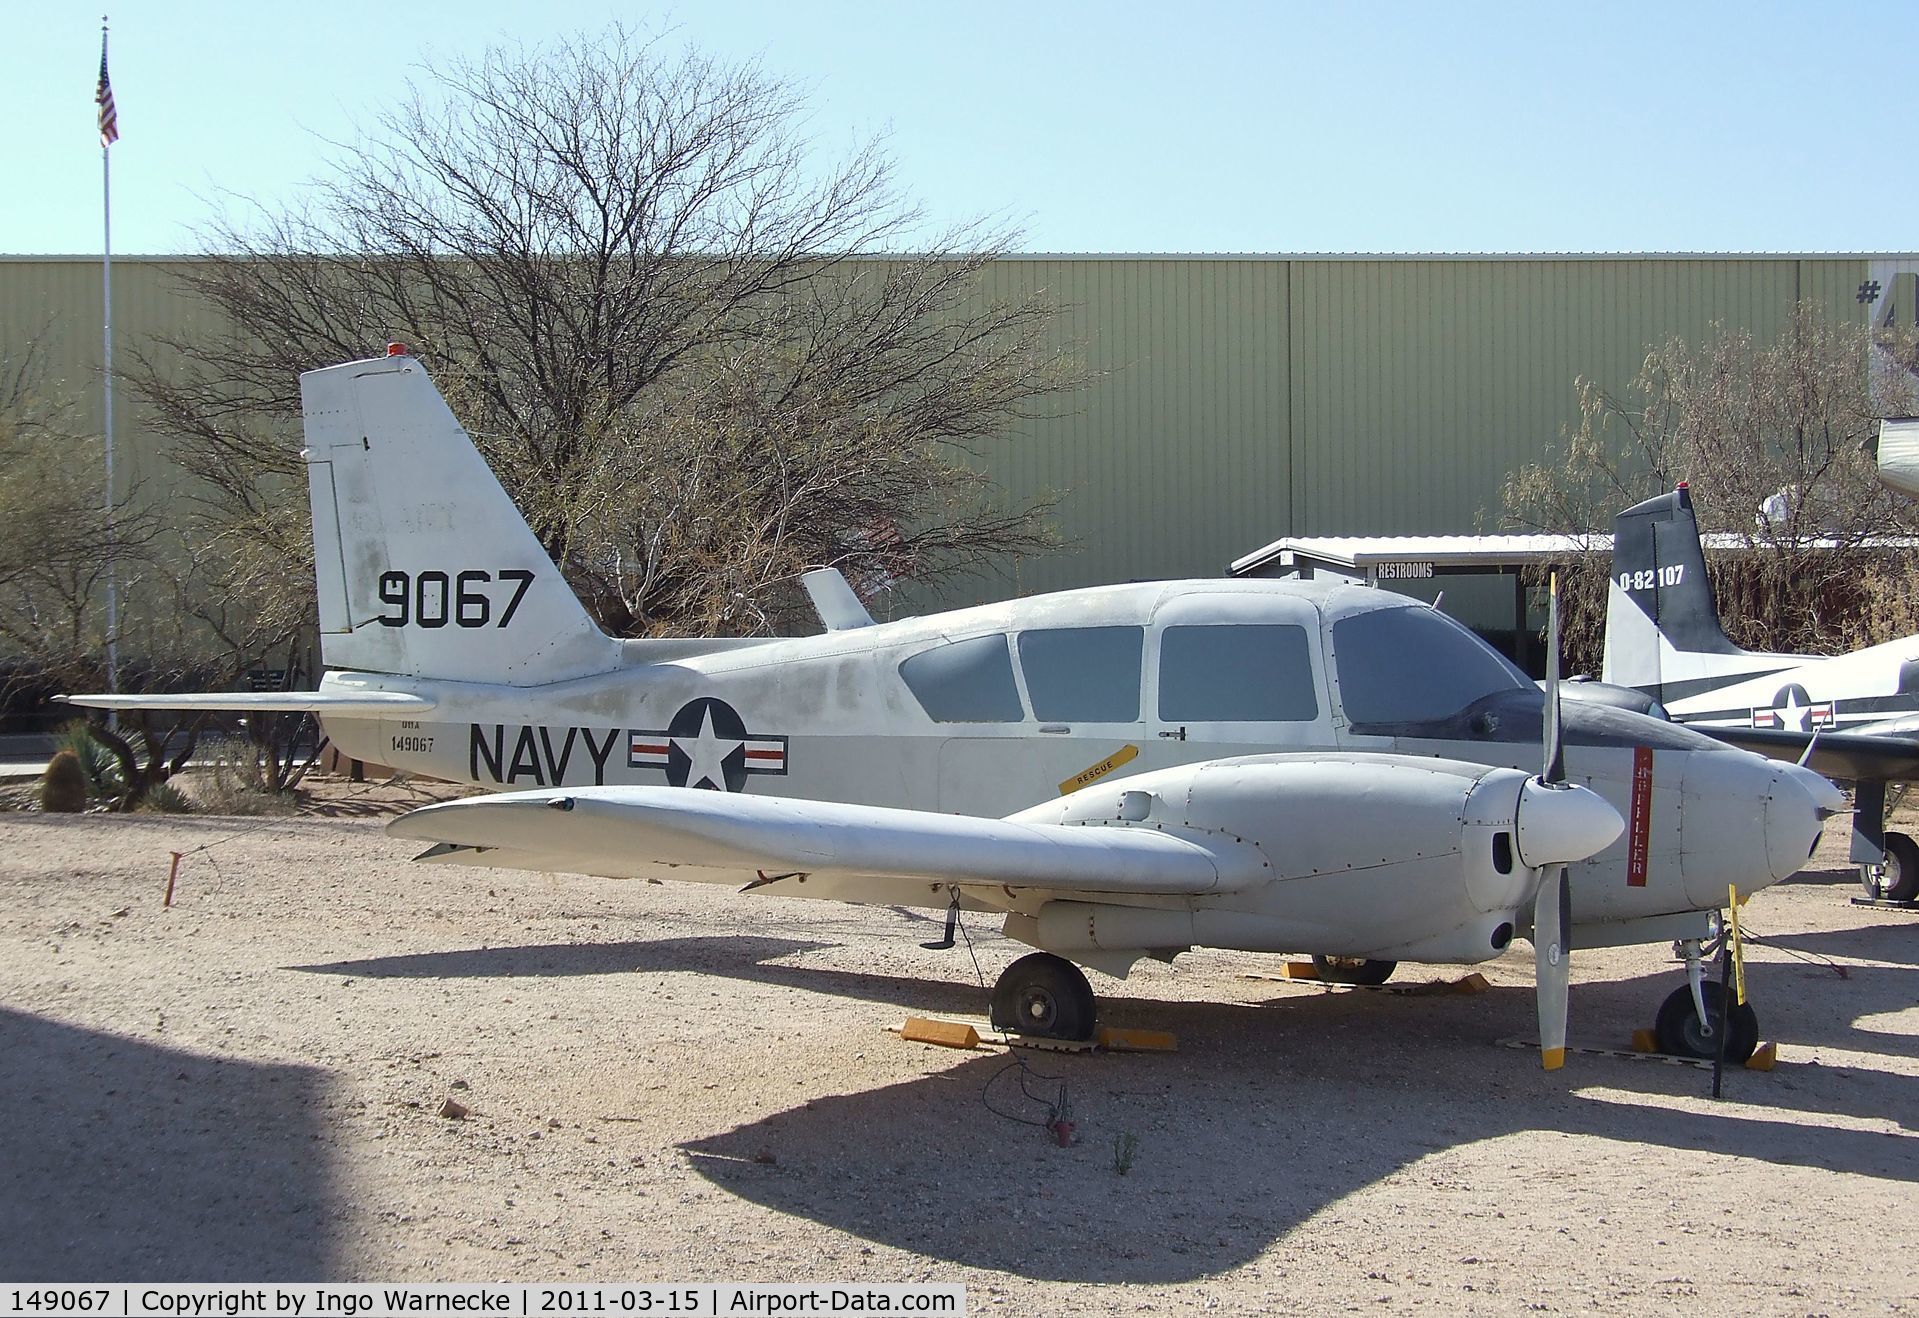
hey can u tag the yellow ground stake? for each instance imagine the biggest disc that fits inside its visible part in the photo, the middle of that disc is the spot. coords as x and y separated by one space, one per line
1738 951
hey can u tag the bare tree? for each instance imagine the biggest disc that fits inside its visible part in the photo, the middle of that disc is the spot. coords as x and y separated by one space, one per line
1774 438
643 300
60 545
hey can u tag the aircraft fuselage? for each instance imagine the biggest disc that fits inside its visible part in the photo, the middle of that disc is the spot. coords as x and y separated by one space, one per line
991 710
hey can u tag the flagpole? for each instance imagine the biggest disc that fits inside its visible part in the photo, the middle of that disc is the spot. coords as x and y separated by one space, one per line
106 284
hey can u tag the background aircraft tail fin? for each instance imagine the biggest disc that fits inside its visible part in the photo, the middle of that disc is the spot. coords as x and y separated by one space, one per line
425 568
1659 592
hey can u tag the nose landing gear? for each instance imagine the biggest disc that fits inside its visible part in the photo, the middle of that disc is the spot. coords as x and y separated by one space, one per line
1688 1020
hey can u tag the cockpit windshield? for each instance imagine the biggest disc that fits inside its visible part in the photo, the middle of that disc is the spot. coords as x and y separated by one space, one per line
1412 665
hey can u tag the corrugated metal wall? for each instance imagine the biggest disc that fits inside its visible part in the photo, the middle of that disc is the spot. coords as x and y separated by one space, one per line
1237 399
56 303
1247 399
1183 429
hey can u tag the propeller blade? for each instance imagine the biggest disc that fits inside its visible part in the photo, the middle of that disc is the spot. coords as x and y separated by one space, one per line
1811 745
1552 964
1555 755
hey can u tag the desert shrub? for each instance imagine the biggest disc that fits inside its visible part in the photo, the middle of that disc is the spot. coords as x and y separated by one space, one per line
63 787
165 799
98 767
228 779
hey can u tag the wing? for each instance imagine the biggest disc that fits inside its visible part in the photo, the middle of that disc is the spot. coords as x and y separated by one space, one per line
1892 757
622 831
372 704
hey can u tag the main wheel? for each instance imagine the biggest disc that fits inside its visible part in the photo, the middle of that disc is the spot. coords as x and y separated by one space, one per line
1898 879
1044 995
1353 970
1680 1033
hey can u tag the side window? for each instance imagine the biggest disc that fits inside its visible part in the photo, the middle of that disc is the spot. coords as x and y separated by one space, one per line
1256 673
965 682
1083 674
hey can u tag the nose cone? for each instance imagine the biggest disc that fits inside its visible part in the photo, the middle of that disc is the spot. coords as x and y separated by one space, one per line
1558 824
1796 810
1828 798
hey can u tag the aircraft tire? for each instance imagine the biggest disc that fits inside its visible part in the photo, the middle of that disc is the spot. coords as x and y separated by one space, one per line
1353 970
1044 995
1898 879
1679 1035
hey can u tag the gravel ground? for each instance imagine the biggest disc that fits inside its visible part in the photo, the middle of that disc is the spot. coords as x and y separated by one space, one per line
676 1083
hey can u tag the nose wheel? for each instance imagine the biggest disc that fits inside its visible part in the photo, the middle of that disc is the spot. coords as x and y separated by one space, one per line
1044 995
1688 1023
1683 1033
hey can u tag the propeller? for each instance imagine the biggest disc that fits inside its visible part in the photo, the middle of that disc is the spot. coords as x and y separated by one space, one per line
1552 899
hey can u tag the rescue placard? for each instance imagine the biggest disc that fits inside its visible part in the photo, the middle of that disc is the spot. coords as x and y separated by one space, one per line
1124 755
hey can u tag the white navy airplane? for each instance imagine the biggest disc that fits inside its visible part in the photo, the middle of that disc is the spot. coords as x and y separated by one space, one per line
1851 716
1116 773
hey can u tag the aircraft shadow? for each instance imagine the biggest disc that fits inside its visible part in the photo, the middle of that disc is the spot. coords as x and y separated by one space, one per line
735 957
1608 1010
1897 943
1845 876
1271 1117
1324 1094
1606 1013
125 1161
537 960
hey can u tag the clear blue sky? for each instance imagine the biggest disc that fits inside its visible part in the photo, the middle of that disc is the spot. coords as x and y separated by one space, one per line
1115 127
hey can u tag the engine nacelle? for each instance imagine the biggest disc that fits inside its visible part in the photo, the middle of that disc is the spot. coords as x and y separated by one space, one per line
1373 855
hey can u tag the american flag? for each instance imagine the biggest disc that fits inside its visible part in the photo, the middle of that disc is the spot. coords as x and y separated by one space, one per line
103 97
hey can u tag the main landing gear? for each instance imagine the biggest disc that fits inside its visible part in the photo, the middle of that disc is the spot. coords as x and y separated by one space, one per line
1688 1021
1044 995
1888 862
1353 970
1897 880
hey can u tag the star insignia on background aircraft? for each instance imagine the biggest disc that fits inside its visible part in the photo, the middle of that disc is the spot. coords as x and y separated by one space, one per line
1794 710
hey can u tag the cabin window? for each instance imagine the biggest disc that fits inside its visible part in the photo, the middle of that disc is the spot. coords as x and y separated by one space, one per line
1083 674
965 682
1243 673
1412 665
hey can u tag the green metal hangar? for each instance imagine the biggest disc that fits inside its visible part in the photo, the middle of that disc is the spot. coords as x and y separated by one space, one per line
1248 399
1238 400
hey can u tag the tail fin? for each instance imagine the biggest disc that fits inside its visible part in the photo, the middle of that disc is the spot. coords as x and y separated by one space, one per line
1659 592
425 567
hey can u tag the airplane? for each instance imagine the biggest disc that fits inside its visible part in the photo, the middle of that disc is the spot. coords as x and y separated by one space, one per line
1852 716
1895 454
1116 773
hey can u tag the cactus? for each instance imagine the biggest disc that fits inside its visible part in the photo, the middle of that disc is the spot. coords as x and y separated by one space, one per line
63 787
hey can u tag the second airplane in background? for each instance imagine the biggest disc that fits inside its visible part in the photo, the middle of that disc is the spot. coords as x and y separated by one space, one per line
1851 716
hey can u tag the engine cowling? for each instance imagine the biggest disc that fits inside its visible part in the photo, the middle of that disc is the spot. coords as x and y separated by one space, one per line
1371 855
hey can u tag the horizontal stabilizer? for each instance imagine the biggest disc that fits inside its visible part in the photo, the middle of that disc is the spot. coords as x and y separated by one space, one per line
605 830
364 704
